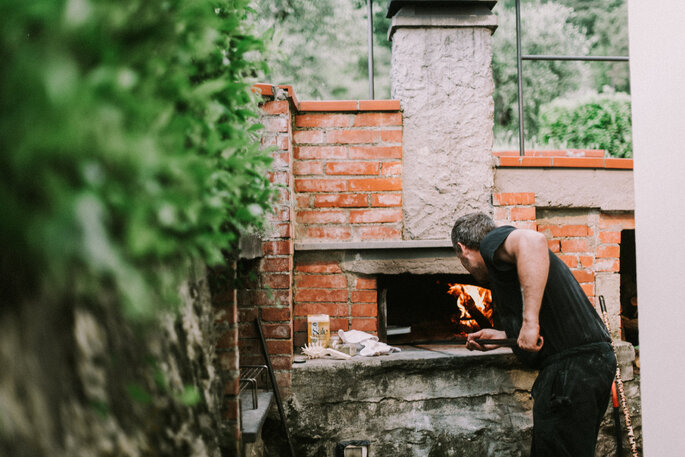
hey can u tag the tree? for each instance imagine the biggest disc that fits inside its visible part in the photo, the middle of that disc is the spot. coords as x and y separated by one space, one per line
605 23
382 47
545 29
611 32
321 47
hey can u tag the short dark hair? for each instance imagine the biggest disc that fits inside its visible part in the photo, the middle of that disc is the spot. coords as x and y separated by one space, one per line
470 230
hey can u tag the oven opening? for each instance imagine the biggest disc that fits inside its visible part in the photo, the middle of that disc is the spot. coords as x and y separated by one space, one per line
432 308
629 315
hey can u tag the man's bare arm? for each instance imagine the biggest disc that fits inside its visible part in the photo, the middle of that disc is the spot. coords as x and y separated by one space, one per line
527 249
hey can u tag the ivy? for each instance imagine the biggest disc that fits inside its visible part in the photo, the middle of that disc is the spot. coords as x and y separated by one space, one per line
129 145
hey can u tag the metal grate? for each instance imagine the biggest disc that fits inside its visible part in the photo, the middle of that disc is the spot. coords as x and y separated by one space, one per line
252 377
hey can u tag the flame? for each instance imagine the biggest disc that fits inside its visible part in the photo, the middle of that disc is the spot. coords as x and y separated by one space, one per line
482 300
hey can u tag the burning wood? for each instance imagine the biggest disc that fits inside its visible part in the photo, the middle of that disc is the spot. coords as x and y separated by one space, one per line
474 305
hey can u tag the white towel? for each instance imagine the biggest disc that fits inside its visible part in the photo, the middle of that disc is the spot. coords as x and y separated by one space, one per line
355 336
370 343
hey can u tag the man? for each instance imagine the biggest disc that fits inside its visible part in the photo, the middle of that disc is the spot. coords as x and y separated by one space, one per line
538 301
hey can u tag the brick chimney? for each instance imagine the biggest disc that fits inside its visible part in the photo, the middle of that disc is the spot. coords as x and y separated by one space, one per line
442 75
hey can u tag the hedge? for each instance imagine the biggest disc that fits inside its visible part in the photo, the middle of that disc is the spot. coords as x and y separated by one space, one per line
128 145
595 121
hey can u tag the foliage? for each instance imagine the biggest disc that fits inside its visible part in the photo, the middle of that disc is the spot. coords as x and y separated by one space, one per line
545 29
611 32
128 144
382 48
606 24
321 47
597 121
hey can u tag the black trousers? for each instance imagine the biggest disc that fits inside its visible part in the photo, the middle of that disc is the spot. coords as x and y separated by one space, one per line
571 396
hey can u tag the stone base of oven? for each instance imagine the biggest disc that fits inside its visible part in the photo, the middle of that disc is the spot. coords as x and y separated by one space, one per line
425 401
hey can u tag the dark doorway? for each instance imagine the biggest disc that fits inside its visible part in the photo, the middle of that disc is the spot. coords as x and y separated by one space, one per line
629 307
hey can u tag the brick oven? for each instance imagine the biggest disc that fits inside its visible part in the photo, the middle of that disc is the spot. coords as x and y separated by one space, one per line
369 190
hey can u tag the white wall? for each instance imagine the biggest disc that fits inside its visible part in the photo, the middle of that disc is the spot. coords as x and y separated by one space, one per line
657 65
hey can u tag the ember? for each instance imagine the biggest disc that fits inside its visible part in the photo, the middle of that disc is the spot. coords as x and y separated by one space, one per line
474 306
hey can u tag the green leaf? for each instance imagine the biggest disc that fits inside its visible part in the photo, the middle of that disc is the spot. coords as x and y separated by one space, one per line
138 394
127 135
190 396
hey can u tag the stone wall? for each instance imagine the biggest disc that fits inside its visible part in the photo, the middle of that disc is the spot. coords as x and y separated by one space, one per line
440 402
79 380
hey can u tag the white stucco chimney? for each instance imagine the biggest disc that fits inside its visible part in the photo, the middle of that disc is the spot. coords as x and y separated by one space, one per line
442 75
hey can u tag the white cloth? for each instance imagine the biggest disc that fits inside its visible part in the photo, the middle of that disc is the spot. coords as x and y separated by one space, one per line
355 336
371 345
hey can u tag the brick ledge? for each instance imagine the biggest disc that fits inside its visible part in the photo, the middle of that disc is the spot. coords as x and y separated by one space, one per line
329 105
355 245
563 162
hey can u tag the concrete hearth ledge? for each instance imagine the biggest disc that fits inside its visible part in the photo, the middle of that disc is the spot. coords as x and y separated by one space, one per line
399 244
452 354
420 402
413 355
252 420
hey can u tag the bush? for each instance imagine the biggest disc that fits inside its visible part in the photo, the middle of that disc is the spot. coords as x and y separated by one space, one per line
127 138
595 121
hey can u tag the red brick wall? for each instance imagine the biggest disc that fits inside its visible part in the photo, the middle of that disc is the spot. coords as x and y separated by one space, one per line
587 245
321 287
271 299
344 161
249 289
574 243
263 287
348 173
517 209
609 239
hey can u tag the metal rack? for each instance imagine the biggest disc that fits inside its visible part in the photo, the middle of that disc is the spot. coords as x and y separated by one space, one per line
249 379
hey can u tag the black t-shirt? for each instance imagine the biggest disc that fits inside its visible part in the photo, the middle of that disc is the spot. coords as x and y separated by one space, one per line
567 318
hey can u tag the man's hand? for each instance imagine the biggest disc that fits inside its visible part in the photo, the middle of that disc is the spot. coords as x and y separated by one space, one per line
529 337
485 334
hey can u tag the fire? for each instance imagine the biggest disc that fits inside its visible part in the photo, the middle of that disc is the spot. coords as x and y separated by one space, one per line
475 307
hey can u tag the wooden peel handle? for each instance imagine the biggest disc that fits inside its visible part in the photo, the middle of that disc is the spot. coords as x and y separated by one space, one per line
508 342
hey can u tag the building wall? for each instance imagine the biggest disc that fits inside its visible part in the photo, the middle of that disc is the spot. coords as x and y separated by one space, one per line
80 379
322 287
582 202
265 282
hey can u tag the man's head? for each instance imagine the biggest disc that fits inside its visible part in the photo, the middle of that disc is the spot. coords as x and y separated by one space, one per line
467 233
